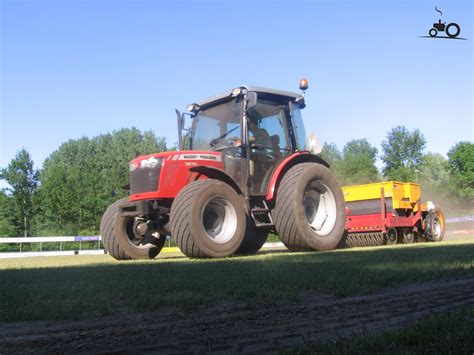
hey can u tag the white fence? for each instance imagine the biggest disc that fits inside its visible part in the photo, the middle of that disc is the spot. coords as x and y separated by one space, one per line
60 240
466 220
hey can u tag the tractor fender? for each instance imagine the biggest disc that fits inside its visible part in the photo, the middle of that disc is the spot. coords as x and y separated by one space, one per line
217 174
288 163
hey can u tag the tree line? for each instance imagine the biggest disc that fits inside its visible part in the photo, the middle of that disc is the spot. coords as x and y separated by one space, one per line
75 185
446 181
79 180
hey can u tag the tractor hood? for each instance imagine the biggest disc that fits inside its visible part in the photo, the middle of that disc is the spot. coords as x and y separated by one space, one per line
162 175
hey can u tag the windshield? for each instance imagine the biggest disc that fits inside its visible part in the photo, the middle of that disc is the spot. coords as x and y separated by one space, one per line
217 127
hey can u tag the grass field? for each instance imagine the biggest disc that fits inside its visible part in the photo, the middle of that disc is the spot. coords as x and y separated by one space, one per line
86 286
451 333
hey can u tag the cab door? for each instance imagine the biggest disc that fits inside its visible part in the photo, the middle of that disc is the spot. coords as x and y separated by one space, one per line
269 142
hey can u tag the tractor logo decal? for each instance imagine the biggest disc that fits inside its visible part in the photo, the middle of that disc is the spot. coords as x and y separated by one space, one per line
198 157
452 29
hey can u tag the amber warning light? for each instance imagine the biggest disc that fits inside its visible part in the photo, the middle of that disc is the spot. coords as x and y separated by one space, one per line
303 85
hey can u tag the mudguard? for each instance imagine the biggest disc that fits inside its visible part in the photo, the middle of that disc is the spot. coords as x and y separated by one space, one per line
288 163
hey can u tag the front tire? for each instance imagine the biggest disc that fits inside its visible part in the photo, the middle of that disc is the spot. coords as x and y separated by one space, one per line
107 231
310 208
119 239
208 219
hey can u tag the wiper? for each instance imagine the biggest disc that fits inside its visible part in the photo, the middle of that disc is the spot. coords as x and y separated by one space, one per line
214 141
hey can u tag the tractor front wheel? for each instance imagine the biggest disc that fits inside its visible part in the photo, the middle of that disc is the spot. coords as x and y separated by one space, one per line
129 237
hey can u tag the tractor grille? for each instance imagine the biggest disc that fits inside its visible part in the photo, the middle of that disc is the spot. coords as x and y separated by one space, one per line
145 179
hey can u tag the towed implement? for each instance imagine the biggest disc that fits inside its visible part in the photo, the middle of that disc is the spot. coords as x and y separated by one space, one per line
243 168
389 213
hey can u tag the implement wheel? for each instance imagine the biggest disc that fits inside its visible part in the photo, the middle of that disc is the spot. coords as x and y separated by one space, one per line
208 219
435 225
391 237
310 208
129 237
408 235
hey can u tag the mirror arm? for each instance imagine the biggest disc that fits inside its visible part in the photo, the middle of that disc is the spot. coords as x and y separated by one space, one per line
180 119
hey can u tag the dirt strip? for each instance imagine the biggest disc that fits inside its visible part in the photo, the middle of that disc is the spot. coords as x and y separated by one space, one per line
225 329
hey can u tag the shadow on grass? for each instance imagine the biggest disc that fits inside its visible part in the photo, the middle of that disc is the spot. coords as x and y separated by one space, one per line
99 289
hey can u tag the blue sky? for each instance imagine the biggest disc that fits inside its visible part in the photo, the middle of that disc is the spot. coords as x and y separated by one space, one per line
82 68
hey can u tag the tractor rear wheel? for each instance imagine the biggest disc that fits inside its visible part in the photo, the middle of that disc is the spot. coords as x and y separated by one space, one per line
208 219
310 208
122 239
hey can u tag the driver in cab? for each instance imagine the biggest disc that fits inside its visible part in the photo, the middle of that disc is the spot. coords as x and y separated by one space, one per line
258 136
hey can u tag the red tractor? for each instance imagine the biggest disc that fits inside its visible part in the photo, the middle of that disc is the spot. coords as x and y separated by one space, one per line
243 170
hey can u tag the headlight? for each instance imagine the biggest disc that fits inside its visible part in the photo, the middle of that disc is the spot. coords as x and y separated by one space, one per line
149 163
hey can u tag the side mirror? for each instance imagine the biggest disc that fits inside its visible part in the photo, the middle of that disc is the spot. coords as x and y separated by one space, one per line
180 119
251 99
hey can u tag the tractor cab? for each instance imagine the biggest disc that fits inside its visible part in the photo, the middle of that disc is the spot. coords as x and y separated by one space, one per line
254 128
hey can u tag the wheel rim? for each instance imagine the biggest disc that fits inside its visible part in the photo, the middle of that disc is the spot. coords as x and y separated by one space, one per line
320 208
392 236
219 219
408 236
146 240
436 228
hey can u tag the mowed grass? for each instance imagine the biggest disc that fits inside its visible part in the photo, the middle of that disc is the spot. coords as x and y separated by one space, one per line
451 333
87 286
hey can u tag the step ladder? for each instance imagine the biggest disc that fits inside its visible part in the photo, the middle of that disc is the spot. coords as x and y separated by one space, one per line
262 216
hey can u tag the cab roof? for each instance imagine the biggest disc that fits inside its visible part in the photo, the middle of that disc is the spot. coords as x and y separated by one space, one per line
226 94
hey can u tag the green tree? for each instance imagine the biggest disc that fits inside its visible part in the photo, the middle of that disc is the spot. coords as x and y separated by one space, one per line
434 177
461 167
403 154
23 181
333 156
330 153
358 163
7 228
84 176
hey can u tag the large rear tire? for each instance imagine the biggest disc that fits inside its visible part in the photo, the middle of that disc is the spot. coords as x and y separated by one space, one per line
208 219
121 240
310 208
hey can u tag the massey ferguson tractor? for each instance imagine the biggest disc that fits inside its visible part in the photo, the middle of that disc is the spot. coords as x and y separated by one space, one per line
243 169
